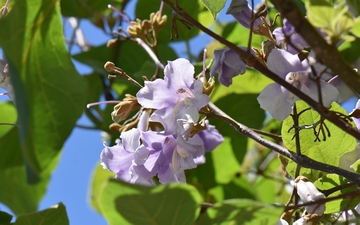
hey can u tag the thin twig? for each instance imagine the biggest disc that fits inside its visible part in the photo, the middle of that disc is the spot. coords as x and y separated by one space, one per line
301 160
328 54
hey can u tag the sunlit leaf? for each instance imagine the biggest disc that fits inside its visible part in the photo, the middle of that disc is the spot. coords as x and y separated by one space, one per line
242 212
99 178
8 116
50 93
332 181
326 151
55 215
87 8
214 6
16 193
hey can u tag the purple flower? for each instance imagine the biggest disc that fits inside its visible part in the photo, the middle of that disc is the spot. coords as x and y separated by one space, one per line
142 154
175 96
243 13
211 137
289 31
121 158
168 156
228 65
277 100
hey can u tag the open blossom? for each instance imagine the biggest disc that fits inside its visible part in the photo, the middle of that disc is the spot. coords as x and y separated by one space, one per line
175 96
289 31
277 100
243 13
142 154
228 65
121 158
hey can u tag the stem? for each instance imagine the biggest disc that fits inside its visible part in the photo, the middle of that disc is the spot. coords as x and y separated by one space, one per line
328 54
301 160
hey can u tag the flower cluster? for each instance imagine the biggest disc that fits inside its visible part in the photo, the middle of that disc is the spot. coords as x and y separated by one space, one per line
286 58
178 141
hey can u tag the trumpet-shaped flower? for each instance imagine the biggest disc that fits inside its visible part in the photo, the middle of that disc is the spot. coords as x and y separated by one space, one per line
297 42
228 65
175 96
277 100
121 158
243 13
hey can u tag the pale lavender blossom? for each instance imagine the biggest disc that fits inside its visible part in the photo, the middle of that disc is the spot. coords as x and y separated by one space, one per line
289 31
309 193
211 137
169 157
143 154
243 13
228 65
121 158
175 96
277 100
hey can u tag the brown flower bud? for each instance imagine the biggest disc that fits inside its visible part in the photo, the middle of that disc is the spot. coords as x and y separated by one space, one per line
109 66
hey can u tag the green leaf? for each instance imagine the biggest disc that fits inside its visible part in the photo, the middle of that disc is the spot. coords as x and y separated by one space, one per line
242 212
214 6
16 193
356 28
52 92
239 35
272 187
328 151
332 181
87 8
130 58
224 161
349 50
320 13
99 178
55 215
246 111
356 166
237 188
334 20
252 82
124 203
8 115
5 218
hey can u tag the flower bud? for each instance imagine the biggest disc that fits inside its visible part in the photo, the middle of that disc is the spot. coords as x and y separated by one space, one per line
123 109
109 66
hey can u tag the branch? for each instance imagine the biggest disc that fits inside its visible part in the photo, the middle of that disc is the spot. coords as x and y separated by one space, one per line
328 54
251 61
301 160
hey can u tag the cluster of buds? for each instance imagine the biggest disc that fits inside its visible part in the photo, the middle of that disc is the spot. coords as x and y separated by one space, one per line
147 30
